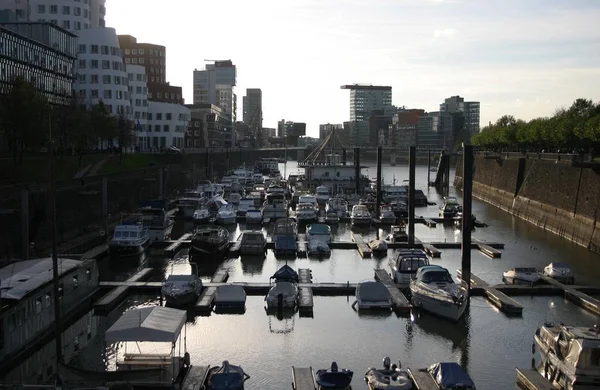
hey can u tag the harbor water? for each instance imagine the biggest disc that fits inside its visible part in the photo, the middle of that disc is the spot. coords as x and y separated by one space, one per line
488 344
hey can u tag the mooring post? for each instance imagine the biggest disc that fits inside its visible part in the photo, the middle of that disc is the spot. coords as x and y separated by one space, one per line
428 167
25 224
379 163
412 161
466 217
161 183
357 170
447 167
344 156
105 205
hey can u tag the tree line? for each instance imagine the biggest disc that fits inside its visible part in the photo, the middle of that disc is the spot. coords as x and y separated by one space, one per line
576 127
28 121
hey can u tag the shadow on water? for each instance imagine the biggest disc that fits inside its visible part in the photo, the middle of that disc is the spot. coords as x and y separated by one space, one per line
281 321
252 265
119 268
377 315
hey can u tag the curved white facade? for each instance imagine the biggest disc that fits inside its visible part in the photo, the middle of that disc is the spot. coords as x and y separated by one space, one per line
167 123
138 95
72 15
101 74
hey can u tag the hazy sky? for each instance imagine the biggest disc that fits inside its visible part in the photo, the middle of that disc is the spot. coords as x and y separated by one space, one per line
522 57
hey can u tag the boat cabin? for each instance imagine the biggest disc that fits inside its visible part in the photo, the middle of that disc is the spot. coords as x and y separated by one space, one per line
406 264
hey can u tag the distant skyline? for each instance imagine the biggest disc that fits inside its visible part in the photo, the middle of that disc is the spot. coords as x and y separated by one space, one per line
519 57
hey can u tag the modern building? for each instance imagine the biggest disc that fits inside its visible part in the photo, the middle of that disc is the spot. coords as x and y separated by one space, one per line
364 99
402 132
138 97
252 109
216 85
41 53
167 124
72 15
439 130
216 130
325 129
470 111
290 131
154 59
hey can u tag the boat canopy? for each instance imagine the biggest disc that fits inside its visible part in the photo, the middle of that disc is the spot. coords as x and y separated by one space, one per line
285 243
318 229
230 294
155 324
253 236
372 291
180 278
433 273
450 376
286 273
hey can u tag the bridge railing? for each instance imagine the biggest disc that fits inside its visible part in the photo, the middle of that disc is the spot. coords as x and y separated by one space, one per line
568 157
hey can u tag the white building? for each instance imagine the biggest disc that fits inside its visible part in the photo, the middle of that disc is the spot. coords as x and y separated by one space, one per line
101 73
167 124
138 94
215 85
72 15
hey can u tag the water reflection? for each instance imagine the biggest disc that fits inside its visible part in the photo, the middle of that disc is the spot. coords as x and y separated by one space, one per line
281 321
376 315
252 265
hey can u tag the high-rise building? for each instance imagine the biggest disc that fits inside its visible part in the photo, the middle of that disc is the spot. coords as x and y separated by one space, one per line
215 85
403 129
252 109
470 111
364 99
327 128
154 59
69 14
216 131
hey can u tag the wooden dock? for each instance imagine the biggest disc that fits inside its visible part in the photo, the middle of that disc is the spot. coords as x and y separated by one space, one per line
174 246
221 275
585 301
399 301
361 245
488 250
498 298
302 243
118 294
205 302
234 248
305 294
429 222
195 378
529 379
303 378
422 380
432 251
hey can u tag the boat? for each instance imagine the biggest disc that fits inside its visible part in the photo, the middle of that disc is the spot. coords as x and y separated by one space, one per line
306 212
156 219
181 290
284 293
318 231
286 246
226 377
569 355
230 297
254 216
450 207
521 275
322 194
390 377
318 247
275 206
372 295
190 202
378 247
226 215
360 215
450 376
433 290
210 239
201 216
130 237
339 206
253 242
560 271
397 234
331 218
404 267
387 215
400 208
334 378
234 198
393 193
285 227
245 204
258 178
310 199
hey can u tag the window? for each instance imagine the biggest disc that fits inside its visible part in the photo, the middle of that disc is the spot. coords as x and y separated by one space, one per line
75 281
82 64
105 64
66 24
107 94
106 79
149 95
77 25
141 60
128 60
166 128
82 93
94 49
168 116
42 8
134 51
94 93
159 116
94 64
141 51
127 51
81 78
94 79
134 60
149 116
104 49
156 127
77 11
54 9
66 10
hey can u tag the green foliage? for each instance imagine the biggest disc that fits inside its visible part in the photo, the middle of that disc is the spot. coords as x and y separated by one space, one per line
575 127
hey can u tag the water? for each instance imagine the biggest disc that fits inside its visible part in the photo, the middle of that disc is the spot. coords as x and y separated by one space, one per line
488 344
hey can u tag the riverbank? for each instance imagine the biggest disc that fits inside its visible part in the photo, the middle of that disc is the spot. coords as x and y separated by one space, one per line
554 195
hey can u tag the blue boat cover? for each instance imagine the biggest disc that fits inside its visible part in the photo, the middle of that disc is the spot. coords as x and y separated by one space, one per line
286 273
318 228
334 378
227 377
285 243
451 376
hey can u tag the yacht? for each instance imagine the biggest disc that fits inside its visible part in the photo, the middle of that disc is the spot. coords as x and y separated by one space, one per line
404 267
521 275
258 178
372 295
322 194
285 227
450 207
275 206
181 290
309 198
331 217
433 290
190 202
394 193
387 215
306 213
234 198
561 272
226 215
157 220
253 242
130 237
254 216
569 356
338 206
284 293
245 204
360 215
210 240
318 231
201 216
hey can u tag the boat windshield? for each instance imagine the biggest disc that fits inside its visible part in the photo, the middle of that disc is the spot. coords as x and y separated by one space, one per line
129 234
411 265
437 276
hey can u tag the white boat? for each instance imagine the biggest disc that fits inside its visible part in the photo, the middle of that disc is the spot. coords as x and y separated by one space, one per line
254 216
306 212
339 206
284 293
190 202
360 215
310 199
521 275
318 231
404 267
450 207
244 205
379 247
569 356
234 198
397 234
561 272
390 377
201 216
180 290
331 217
253 242
130 237
275 206
226 215
157 220
372 295
387 215
433 290
322 194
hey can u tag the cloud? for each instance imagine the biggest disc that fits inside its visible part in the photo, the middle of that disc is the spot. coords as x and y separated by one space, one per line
444 33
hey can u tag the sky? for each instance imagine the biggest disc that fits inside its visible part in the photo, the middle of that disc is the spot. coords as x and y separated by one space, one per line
520 57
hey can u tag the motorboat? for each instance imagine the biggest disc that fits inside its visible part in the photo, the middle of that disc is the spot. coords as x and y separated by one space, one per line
201 216
518 275
450 207
378 247
334 378
318 231
210 239
189 202
318 247
450 376
360 215
181 290
397 234
226 377
234 198
387 215
230 296
310 199
433 290
285 245
226 215
275 206
284 293
400 208
285 227
569 355
253 242
254 216
338 206
130 237
322 194
306 212
245 204
331 217
156 219
372 295
394 193
560 271
404 267
258 178
390 377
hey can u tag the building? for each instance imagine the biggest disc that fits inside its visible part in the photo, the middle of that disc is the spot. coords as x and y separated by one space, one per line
215 85
252 109
402 132
101 73
438 130
470 111
154 59
366 98
167 124
138 97
39 52
325 129
69 14
216 130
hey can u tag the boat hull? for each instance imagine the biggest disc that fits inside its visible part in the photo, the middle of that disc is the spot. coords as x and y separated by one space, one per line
360 221
185 299
227 220
161 234
220 248
128 250
441 308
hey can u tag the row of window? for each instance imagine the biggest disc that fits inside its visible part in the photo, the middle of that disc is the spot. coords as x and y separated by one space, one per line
100 49
83 78
66 10
142 61
66 24
106 64
138 90
153 52
34 53
106 94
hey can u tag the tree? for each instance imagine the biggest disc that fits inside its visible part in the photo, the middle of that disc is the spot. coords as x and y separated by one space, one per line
103 125
125 133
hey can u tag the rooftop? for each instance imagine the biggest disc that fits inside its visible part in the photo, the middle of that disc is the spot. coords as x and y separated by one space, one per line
367 87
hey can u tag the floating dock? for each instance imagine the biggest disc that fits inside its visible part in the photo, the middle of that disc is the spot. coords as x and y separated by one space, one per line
498 298
488 250
432 251
195 378
530 379
429 222
305 294
176 245
111 300
578 297
302 245
399 301
303 378
361 245
422 380
205 302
